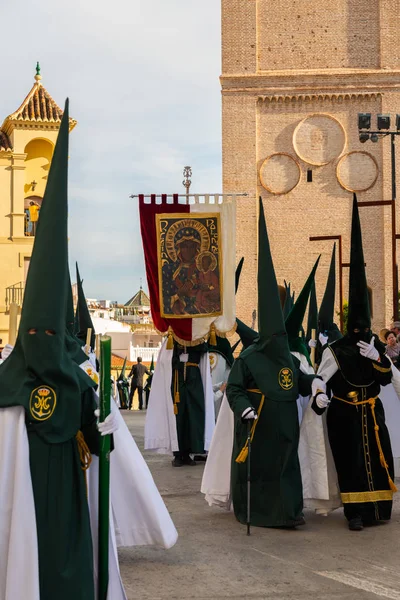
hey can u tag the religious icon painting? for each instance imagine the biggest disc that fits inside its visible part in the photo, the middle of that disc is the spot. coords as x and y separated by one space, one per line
189 253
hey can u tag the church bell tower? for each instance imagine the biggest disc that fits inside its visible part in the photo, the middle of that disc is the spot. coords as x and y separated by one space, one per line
295 75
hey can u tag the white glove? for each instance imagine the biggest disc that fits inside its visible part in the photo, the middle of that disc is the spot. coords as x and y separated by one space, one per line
368 350
6 351
323 339
249 413
109 425
322 401
318 385
312 343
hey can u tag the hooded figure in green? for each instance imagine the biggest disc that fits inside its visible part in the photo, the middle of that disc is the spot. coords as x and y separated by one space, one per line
265 381
83 320
294 320
355 367
42 376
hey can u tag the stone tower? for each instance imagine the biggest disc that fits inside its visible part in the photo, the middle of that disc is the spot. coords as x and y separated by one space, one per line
295 74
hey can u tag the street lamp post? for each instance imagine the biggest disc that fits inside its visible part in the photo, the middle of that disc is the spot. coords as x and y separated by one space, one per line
365 134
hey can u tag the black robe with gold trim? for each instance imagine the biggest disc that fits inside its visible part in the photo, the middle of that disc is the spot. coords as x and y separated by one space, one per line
358 434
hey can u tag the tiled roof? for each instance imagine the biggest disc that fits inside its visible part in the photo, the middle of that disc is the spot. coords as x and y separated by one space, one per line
139 299
38 107
5 143
117 362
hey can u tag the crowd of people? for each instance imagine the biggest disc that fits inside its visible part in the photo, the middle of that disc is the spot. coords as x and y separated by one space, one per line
391 337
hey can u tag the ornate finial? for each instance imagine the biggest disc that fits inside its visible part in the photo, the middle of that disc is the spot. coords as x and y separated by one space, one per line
187 173
38 76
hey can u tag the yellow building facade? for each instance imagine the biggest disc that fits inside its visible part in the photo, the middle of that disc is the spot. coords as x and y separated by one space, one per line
27 139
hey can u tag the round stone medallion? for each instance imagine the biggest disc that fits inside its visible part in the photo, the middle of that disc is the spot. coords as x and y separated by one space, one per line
319 139
280 173
357 171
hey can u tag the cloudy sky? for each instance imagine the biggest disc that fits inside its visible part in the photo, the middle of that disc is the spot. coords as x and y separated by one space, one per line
142 78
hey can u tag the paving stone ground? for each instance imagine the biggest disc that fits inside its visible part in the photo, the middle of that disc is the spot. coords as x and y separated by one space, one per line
214 559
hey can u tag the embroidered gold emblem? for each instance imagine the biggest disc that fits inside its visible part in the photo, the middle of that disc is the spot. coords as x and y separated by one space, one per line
285 378
213 360
42 403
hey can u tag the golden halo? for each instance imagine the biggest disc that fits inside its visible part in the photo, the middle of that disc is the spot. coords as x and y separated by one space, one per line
182 224
199 258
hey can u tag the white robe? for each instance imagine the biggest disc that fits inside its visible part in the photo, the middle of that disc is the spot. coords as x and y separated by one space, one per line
219 375
160 434
390 395
318 473
138 515
19 566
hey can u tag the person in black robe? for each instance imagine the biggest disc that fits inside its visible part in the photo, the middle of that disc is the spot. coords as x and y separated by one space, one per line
354 367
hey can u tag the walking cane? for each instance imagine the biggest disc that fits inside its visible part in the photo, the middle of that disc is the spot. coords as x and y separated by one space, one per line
104 467
249 425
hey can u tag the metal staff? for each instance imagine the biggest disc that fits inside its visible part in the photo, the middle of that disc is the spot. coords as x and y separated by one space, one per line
249 425
313 337
104 467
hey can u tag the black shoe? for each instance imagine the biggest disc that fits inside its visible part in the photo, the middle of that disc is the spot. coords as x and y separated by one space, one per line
177 462
186 460
200 457
299 522
356 524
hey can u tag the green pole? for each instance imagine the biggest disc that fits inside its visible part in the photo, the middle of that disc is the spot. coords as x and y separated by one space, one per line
104 466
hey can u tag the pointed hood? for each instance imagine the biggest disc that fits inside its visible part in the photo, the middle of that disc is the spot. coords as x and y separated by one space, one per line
40 374
294 321
327 308
326 315
121 376
289 300
312 320
359 311
268 359
83 320
238 273
270 317
247 334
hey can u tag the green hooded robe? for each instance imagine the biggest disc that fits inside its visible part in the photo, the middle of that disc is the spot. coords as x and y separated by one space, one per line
267 378
41 375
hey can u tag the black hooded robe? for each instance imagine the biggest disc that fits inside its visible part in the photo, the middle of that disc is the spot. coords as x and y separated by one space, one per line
359 457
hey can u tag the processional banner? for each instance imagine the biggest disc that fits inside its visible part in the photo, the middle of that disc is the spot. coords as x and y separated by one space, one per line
190 264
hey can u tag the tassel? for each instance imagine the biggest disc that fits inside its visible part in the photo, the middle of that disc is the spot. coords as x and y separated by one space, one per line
170 342
392 485
177 397
175 409
213 336
243 454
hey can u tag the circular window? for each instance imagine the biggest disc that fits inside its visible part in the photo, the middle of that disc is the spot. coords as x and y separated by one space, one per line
319 139
357 171
280 173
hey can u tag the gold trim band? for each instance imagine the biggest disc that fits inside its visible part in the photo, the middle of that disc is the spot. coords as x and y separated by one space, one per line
381 369
352 497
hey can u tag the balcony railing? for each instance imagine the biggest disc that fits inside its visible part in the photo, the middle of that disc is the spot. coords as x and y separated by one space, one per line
14 294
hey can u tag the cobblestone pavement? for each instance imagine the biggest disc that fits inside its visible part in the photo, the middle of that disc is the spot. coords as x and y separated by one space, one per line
214 559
